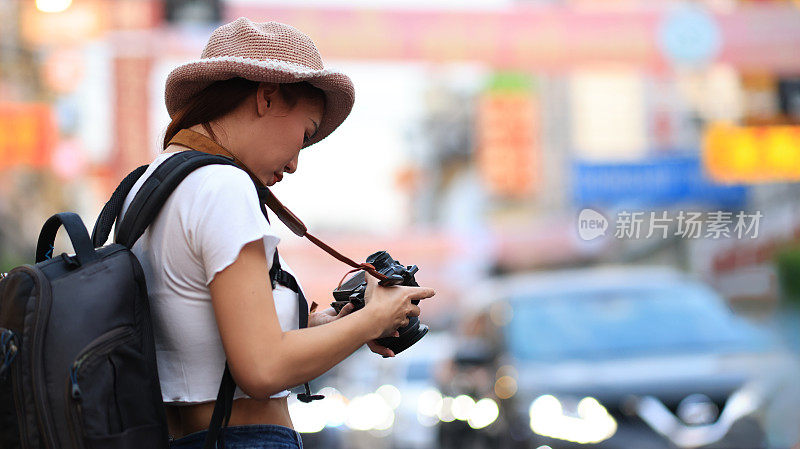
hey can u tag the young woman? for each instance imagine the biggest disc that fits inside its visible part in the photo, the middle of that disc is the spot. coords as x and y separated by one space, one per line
261 92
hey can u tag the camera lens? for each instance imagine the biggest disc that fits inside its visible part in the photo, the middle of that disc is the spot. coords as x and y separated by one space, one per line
409 335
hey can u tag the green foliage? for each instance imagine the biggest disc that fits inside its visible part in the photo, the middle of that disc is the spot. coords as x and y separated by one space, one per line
787 266
10 260
518 82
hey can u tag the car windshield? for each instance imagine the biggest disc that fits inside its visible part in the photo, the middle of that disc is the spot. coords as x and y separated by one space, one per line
627 322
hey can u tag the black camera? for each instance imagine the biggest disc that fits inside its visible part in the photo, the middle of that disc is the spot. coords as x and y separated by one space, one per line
352 291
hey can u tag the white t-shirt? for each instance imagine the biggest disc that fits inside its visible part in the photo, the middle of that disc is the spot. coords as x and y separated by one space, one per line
200 230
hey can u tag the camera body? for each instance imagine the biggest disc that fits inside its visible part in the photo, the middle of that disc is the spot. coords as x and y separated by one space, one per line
352 291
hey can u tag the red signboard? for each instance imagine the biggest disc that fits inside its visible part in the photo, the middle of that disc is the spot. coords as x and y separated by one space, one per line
27 134
508 149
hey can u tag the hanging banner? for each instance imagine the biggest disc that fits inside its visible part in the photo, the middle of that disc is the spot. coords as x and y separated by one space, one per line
546 38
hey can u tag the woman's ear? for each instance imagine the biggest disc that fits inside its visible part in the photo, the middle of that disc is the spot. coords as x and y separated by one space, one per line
265 97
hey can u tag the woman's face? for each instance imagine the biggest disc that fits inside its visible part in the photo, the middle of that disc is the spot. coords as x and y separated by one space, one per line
275 133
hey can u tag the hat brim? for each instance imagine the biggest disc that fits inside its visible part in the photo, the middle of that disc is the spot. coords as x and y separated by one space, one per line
190 78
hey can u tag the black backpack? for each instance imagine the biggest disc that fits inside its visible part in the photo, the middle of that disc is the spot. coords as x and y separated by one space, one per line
77 357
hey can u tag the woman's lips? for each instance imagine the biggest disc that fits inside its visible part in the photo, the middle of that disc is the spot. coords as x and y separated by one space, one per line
278 176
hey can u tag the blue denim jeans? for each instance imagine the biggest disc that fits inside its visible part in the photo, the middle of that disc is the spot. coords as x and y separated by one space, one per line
260 436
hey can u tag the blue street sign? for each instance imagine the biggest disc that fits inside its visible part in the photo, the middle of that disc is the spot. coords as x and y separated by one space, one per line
664 181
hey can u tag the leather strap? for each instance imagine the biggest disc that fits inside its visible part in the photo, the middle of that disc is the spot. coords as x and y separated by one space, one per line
200 142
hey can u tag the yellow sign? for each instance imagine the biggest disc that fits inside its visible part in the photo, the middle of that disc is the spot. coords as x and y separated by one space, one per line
752 154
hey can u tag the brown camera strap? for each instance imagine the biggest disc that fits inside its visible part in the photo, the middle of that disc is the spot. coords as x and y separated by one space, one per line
199 142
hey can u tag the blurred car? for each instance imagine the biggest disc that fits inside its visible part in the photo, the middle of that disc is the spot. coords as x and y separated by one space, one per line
629 358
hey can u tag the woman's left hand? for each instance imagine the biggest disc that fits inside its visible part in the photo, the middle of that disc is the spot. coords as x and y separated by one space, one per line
329 314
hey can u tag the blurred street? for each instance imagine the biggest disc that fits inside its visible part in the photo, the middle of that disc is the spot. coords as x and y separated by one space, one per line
605 195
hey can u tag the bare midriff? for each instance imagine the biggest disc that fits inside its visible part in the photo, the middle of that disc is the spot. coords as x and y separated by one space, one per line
185 419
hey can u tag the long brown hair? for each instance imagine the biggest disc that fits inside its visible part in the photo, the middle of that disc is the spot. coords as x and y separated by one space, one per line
221 97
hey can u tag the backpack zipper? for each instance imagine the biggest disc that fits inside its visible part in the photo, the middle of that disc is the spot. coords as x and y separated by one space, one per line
73 421
97 347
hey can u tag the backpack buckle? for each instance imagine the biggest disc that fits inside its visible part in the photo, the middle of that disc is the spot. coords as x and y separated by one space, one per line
307 396
8 350
302 397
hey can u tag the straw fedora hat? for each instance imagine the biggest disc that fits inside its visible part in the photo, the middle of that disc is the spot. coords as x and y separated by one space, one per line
265 52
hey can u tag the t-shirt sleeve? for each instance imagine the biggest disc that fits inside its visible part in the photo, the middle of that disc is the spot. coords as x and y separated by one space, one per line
225 216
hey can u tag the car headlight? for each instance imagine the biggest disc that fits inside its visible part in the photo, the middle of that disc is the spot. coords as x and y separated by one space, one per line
478 414
369 412
589 422
462 407
483 413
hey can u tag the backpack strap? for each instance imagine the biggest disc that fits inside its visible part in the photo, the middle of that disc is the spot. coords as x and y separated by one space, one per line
110 212
277 275
221 415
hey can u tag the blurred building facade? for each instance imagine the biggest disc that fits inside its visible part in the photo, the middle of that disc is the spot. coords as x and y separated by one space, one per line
485 127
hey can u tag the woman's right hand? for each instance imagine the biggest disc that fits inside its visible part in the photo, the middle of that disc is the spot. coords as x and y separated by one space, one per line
391 306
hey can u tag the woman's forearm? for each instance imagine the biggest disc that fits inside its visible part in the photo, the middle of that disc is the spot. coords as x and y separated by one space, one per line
263 358
304 354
